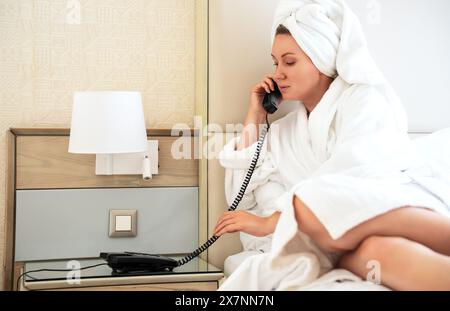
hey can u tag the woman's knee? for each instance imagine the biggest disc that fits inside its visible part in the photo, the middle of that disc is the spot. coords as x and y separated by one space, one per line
375 249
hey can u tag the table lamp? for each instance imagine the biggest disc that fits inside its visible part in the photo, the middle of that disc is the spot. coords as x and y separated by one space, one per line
111 125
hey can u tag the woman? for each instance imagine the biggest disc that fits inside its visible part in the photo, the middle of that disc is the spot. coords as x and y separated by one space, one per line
343 164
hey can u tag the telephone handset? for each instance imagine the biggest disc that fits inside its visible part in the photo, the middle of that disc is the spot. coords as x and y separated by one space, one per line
272 100
128 262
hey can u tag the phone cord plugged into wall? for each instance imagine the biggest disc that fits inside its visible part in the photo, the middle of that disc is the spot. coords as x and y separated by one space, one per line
236 201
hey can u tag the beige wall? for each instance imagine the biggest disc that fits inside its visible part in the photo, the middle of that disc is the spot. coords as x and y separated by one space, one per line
49 49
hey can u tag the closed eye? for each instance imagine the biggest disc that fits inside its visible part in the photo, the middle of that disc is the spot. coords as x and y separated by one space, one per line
289 64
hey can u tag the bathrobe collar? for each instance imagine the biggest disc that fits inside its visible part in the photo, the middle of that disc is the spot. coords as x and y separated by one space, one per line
320 122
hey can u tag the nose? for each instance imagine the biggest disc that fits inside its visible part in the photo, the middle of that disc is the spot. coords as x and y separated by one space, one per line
278 75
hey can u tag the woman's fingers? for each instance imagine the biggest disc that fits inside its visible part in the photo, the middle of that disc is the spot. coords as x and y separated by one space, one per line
227 216
228 229
265 86
223 225
224 217
271 84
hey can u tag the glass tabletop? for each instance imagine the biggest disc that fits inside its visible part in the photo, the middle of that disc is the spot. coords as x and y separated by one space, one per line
195 266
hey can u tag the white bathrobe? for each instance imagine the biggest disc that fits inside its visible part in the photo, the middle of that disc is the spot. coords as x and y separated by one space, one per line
349 162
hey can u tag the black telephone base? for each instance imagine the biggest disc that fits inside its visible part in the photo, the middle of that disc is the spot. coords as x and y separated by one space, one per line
138 263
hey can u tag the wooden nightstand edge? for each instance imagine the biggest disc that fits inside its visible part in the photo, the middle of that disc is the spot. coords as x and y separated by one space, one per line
135 280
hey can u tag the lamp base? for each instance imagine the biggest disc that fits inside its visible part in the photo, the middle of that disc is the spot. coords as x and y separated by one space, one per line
127 163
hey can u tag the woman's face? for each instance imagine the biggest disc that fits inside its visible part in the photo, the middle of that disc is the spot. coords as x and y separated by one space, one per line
294 69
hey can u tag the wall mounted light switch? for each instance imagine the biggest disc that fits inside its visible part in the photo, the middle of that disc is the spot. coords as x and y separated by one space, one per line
122 223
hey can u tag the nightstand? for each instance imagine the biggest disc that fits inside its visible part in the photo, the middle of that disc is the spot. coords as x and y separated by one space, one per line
196 275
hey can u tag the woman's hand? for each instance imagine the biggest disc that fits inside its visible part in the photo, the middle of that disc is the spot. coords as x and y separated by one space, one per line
246 222
256 114
257 95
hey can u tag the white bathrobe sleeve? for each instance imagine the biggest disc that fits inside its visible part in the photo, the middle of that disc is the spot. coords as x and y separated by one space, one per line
263 193
265 186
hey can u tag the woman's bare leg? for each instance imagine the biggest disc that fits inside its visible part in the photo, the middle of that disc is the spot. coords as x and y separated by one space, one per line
403 264
414 223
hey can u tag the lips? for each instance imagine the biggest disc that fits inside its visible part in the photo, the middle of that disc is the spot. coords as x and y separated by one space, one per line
283 88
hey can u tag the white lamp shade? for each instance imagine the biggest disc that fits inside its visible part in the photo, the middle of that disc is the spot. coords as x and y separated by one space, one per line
107 123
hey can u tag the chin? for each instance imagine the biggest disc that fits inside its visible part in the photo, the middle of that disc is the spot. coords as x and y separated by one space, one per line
287 97
290 95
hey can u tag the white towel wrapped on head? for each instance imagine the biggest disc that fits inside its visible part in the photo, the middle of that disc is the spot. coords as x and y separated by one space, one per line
331 35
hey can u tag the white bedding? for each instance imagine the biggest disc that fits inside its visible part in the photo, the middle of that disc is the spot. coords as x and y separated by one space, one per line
335 280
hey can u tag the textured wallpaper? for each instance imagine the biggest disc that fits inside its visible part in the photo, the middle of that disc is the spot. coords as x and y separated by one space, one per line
49 49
